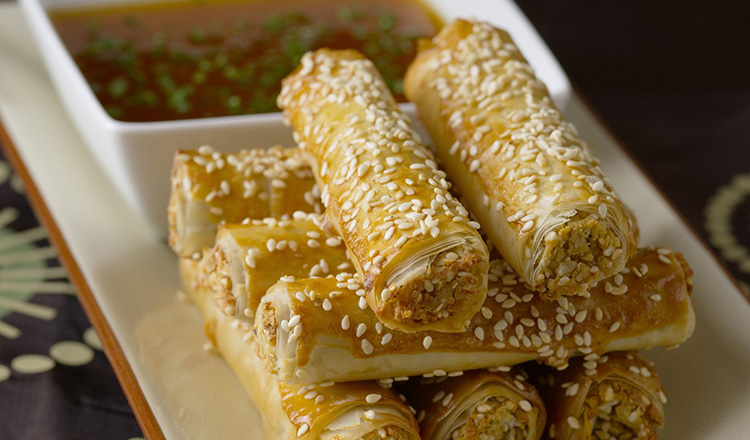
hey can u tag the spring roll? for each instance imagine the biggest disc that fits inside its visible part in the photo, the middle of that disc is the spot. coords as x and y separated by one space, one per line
327 411
477 404
423 263
314 330
210 188
248 259
619 396
518 165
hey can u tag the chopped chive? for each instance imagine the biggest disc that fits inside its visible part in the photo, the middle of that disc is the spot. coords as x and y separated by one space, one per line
114 111
233 104
118 87
196 36
231 72
221 60
386 22
199 77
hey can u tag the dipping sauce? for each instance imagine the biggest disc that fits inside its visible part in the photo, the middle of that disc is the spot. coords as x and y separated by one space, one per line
198 59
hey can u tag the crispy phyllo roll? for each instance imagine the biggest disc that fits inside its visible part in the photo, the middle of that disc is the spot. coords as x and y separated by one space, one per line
618 396
248 259
210 188
423 263
477 404
355 410
517 163
311 330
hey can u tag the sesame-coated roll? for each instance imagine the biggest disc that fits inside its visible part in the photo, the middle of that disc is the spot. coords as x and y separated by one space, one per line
520 167
477 404
312 330
248 259
327 411
209 188
423 263
618 396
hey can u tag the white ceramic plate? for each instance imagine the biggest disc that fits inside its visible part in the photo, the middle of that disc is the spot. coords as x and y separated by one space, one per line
138 156
127 278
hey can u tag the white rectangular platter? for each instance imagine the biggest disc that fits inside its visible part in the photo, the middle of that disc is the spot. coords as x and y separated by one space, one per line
127 278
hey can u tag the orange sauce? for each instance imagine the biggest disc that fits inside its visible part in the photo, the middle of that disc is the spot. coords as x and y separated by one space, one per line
196 59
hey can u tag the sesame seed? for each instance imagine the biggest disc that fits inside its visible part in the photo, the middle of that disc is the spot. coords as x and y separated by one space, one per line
294 320
447 399
479 333
303 430
573 422
662 397
366 347
486 313
525 405
426 342
572 390
373 398
385 294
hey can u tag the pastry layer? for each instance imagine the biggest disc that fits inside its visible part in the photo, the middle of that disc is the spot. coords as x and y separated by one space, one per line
518 164
423 264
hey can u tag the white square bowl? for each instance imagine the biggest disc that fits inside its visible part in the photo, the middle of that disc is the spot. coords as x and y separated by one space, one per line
137 156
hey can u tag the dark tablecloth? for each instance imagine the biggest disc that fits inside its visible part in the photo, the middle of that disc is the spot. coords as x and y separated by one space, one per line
671 78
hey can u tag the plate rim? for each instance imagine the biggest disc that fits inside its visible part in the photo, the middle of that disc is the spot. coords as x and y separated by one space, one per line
128 383
119 362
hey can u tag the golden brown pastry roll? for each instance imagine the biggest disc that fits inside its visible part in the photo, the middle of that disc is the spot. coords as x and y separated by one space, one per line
248 259
423 263
312 330
618 396
519 166
328 411
209 188
476 404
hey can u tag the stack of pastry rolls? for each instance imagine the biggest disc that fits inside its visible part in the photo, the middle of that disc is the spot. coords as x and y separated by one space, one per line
215 280
377 310
422 262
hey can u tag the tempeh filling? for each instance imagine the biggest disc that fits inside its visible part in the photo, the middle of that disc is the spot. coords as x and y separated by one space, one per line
577 255
267 329
497 418
621 412
447 287
215 268
388 433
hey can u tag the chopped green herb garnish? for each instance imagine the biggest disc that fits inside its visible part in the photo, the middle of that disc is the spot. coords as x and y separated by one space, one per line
234 104
386 22
179 99
199 77
209 67
114 111
118 87
197 36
